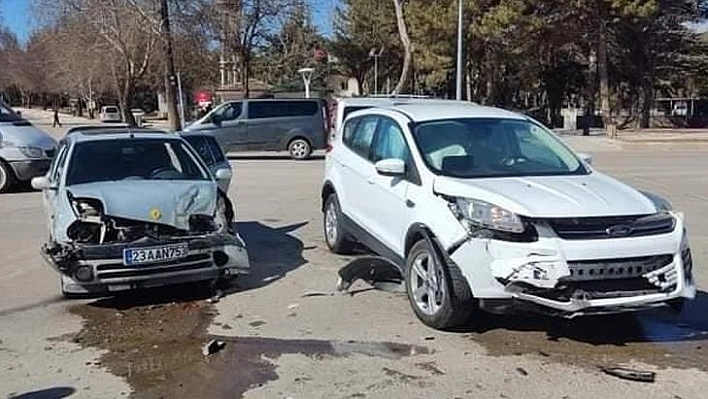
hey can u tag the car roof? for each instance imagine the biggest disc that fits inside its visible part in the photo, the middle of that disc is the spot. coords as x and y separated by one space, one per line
119 133
450 109
378 101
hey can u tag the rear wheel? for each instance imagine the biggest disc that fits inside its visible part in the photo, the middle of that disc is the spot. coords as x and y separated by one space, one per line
335 236
299 149
7 177
438 293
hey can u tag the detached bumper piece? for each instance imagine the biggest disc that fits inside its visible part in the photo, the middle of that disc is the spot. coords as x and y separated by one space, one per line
100 268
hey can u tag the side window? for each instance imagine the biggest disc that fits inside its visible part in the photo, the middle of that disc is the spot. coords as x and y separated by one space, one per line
348 131
229 111
363 136
390 142
200 144
216 150
260 109
59 162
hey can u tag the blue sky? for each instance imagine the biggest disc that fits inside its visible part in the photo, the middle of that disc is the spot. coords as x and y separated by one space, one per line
16 15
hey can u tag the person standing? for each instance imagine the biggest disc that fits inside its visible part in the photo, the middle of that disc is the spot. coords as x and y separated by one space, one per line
56 121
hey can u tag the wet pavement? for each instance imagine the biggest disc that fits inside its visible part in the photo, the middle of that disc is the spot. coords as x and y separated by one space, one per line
156 342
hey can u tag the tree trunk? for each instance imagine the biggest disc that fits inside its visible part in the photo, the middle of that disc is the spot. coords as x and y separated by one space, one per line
607 119
171 89
245 66
126 98
407 47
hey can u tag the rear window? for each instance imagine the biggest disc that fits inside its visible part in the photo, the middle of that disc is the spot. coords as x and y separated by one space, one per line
277 109
348 110
111 109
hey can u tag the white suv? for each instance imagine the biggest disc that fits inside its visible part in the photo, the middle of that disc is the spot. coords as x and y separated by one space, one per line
482 208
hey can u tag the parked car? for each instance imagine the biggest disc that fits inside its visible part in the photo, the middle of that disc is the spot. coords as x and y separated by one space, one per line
482 208
110 113
25 151
136 209
295 125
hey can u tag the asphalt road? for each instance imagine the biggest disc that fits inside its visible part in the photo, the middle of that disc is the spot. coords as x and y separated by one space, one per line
289 335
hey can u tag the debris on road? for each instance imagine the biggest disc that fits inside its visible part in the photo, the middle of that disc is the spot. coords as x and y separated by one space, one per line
629 374
216 298
376 271
316 293
522 371
293 306
212 347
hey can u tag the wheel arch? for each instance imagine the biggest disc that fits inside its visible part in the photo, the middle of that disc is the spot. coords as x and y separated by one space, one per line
327 190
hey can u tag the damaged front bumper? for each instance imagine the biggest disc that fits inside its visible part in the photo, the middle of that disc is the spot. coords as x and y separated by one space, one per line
578 277
99 268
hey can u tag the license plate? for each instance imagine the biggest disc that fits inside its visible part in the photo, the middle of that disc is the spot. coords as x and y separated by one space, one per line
139 256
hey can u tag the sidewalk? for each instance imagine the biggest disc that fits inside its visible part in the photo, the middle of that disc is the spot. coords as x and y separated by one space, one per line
43 120
645 135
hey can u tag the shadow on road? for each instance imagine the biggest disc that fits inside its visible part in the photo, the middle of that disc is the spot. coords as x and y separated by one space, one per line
657 325
273 252
49 393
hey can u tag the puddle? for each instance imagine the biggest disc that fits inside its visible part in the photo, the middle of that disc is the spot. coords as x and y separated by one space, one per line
654 337
157 348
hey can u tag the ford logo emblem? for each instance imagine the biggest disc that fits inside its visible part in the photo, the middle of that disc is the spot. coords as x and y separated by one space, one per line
620 230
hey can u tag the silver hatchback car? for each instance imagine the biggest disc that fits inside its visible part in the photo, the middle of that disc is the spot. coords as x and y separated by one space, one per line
136 209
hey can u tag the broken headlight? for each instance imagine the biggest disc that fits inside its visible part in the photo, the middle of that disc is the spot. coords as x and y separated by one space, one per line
86 207
31 152
485 215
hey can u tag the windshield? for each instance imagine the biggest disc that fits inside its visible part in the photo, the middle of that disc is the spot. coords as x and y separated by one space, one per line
7 114
493 147
134 159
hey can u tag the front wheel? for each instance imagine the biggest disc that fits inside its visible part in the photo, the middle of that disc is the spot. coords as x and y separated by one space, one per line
335 237
300 149
7 177
437 291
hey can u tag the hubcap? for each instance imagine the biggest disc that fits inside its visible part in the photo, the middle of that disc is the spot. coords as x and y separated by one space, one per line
3 178
299 149
427 284
331 224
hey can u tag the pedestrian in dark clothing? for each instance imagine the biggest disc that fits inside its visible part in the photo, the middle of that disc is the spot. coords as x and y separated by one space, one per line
56 118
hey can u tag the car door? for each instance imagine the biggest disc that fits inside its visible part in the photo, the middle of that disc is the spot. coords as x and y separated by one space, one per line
227 124
50 196
388 205
356 168
267 123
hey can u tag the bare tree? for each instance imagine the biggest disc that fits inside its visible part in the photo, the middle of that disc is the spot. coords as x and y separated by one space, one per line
407 46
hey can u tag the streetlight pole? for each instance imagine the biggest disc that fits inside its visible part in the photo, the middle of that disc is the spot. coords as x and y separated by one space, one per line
458 91
306 78
376 54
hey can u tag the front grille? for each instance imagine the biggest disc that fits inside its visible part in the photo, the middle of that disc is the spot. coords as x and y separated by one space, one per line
119 270
613 269
612 227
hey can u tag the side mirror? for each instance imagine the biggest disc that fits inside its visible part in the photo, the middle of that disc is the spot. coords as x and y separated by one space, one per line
390 167
223 174
586 158
42 183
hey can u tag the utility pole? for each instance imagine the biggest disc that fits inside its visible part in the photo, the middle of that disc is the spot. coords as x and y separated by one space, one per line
171 89
458 91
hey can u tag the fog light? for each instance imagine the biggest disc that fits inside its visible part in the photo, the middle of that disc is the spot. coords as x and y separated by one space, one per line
220 258
84 273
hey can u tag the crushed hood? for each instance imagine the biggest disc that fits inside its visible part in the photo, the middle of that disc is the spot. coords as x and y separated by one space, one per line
164 201
23 133
552 196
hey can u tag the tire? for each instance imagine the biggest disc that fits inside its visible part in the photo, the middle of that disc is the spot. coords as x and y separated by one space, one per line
334 234
444 302
7 177
299 149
